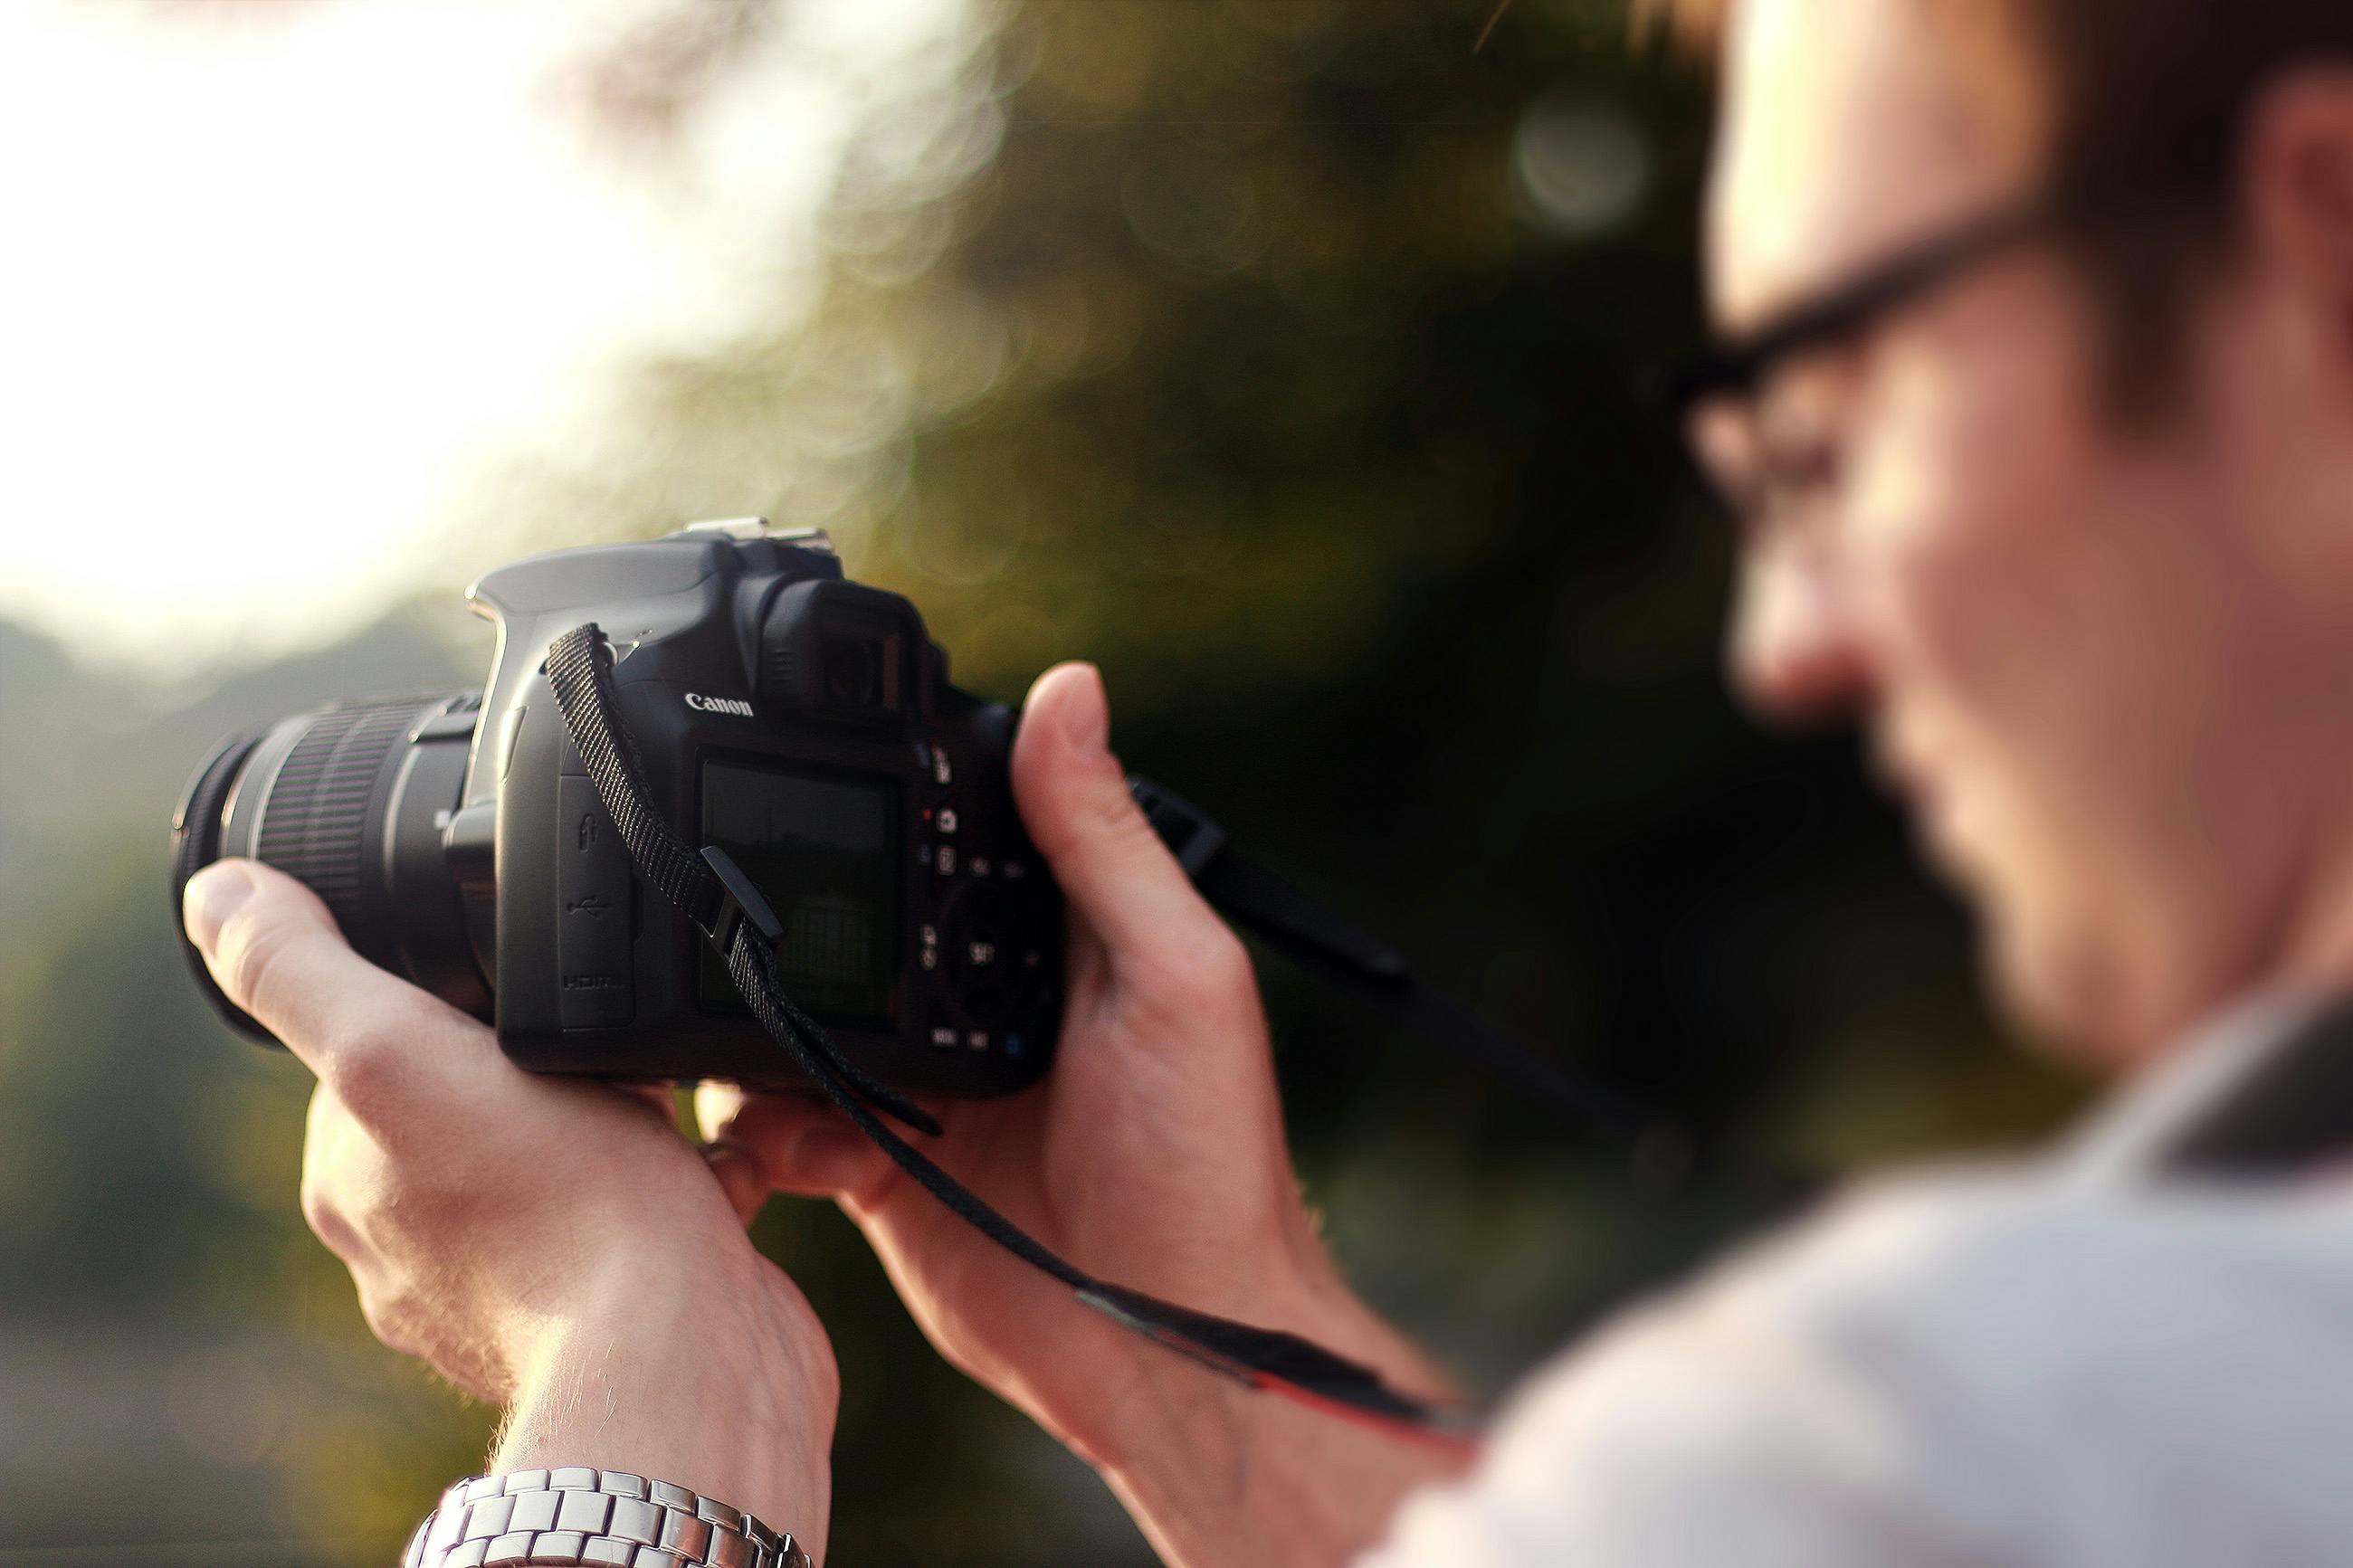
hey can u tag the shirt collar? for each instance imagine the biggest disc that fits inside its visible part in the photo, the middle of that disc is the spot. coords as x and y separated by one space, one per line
2120 1140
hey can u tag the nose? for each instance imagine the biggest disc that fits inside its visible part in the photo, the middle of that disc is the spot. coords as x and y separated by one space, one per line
1795 650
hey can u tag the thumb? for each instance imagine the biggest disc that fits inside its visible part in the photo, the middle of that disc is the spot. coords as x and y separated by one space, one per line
795 1144
275 952
1074 802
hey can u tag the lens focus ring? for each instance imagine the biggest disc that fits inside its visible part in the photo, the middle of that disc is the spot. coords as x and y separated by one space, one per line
316 824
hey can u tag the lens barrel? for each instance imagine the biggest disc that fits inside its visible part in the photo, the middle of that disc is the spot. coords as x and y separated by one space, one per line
352 801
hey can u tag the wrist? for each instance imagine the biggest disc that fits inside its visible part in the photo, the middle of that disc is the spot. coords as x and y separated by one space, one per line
1216 1473
720 1381
575 1515
1123 1422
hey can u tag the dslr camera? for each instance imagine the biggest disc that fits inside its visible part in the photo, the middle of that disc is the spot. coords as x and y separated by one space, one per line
802 723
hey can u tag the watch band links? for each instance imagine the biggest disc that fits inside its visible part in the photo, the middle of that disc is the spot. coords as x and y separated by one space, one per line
592 1518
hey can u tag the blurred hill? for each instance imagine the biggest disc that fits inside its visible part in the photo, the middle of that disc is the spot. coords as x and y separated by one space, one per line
167 1331
88 755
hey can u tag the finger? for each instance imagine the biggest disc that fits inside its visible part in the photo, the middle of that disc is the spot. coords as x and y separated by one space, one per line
804 1146
275 952
738 1168
657 1097
1073 798
740 1177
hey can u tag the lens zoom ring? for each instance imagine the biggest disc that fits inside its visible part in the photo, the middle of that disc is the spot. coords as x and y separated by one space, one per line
316 818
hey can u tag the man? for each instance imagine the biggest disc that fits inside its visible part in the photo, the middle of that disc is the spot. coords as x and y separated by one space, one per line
2058 504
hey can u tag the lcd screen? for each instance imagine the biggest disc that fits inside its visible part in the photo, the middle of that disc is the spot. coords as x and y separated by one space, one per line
825 849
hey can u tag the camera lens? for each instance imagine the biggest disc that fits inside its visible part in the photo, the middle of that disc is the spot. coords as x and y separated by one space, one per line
348 800
851 670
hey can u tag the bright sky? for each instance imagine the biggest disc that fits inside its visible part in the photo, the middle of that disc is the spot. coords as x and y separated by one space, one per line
280 279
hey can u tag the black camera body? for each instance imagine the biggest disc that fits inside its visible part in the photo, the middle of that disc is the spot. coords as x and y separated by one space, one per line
803 722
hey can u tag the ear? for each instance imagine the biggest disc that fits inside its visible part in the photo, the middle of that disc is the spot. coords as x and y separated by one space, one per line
2296 177
2294 380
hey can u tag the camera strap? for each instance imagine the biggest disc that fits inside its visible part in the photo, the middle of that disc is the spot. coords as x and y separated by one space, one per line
734 917
1373 973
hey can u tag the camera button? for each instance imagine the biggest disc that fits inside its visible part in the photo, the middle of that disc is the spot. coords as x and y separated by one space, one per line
944 859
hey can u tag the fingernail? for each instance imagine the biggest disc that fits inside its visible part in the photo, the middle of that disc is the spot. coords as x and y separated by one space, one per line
212 895
1086 719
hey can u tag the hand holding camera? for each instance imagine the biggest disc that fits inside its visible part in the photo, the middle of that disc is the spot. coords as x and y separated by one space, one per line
547 1244
711 782
1154 1153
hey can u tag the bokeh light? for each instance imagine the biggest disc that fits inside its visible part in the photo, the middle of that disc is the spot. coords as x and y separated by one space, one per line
1583 167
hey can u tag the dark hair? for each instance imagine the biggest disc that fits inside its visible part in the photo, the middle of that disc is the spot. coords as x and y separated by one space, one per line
2143 102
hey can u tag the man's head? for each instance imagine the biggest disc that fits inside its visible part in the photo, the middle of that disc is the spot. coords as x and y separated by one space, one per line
2071 534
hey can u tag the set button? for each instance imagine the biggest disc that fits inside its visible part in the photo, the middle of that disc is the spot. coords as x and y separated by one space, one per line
994 943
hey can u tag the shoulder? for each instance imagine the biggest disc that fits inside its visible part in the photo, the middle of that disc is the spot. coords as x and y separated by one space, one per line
2011 1299
1962 1366
2012 1289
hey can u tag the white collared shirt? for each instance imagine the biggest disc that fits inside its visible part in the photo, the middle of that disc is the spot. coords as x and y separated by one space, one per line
2053 1362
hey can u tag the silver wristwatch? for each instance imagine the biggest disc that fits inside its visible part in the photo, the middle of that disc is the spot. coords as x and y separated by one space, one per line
591 1517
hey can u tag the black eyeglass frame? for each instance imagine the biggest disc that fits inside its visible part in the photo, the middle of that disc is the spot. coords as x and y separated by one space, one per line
1740 366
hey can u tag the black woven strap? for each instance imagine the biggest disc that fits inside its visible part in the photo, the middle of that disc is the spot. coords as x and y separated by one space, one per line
736 922
580 672
1347 959
1665 1153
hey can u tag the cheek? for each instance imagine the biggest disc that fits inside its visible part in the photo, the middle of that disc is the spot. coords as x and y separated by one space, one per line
1986 542
1970 534
2060 624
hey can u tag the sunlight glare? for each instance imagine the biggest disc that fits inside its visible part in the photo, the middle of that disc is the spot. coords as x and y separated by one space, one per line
281 285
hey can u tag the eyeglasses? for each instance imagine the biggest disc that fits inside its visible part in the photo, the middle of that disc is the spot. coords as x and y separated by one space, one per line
1715 397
